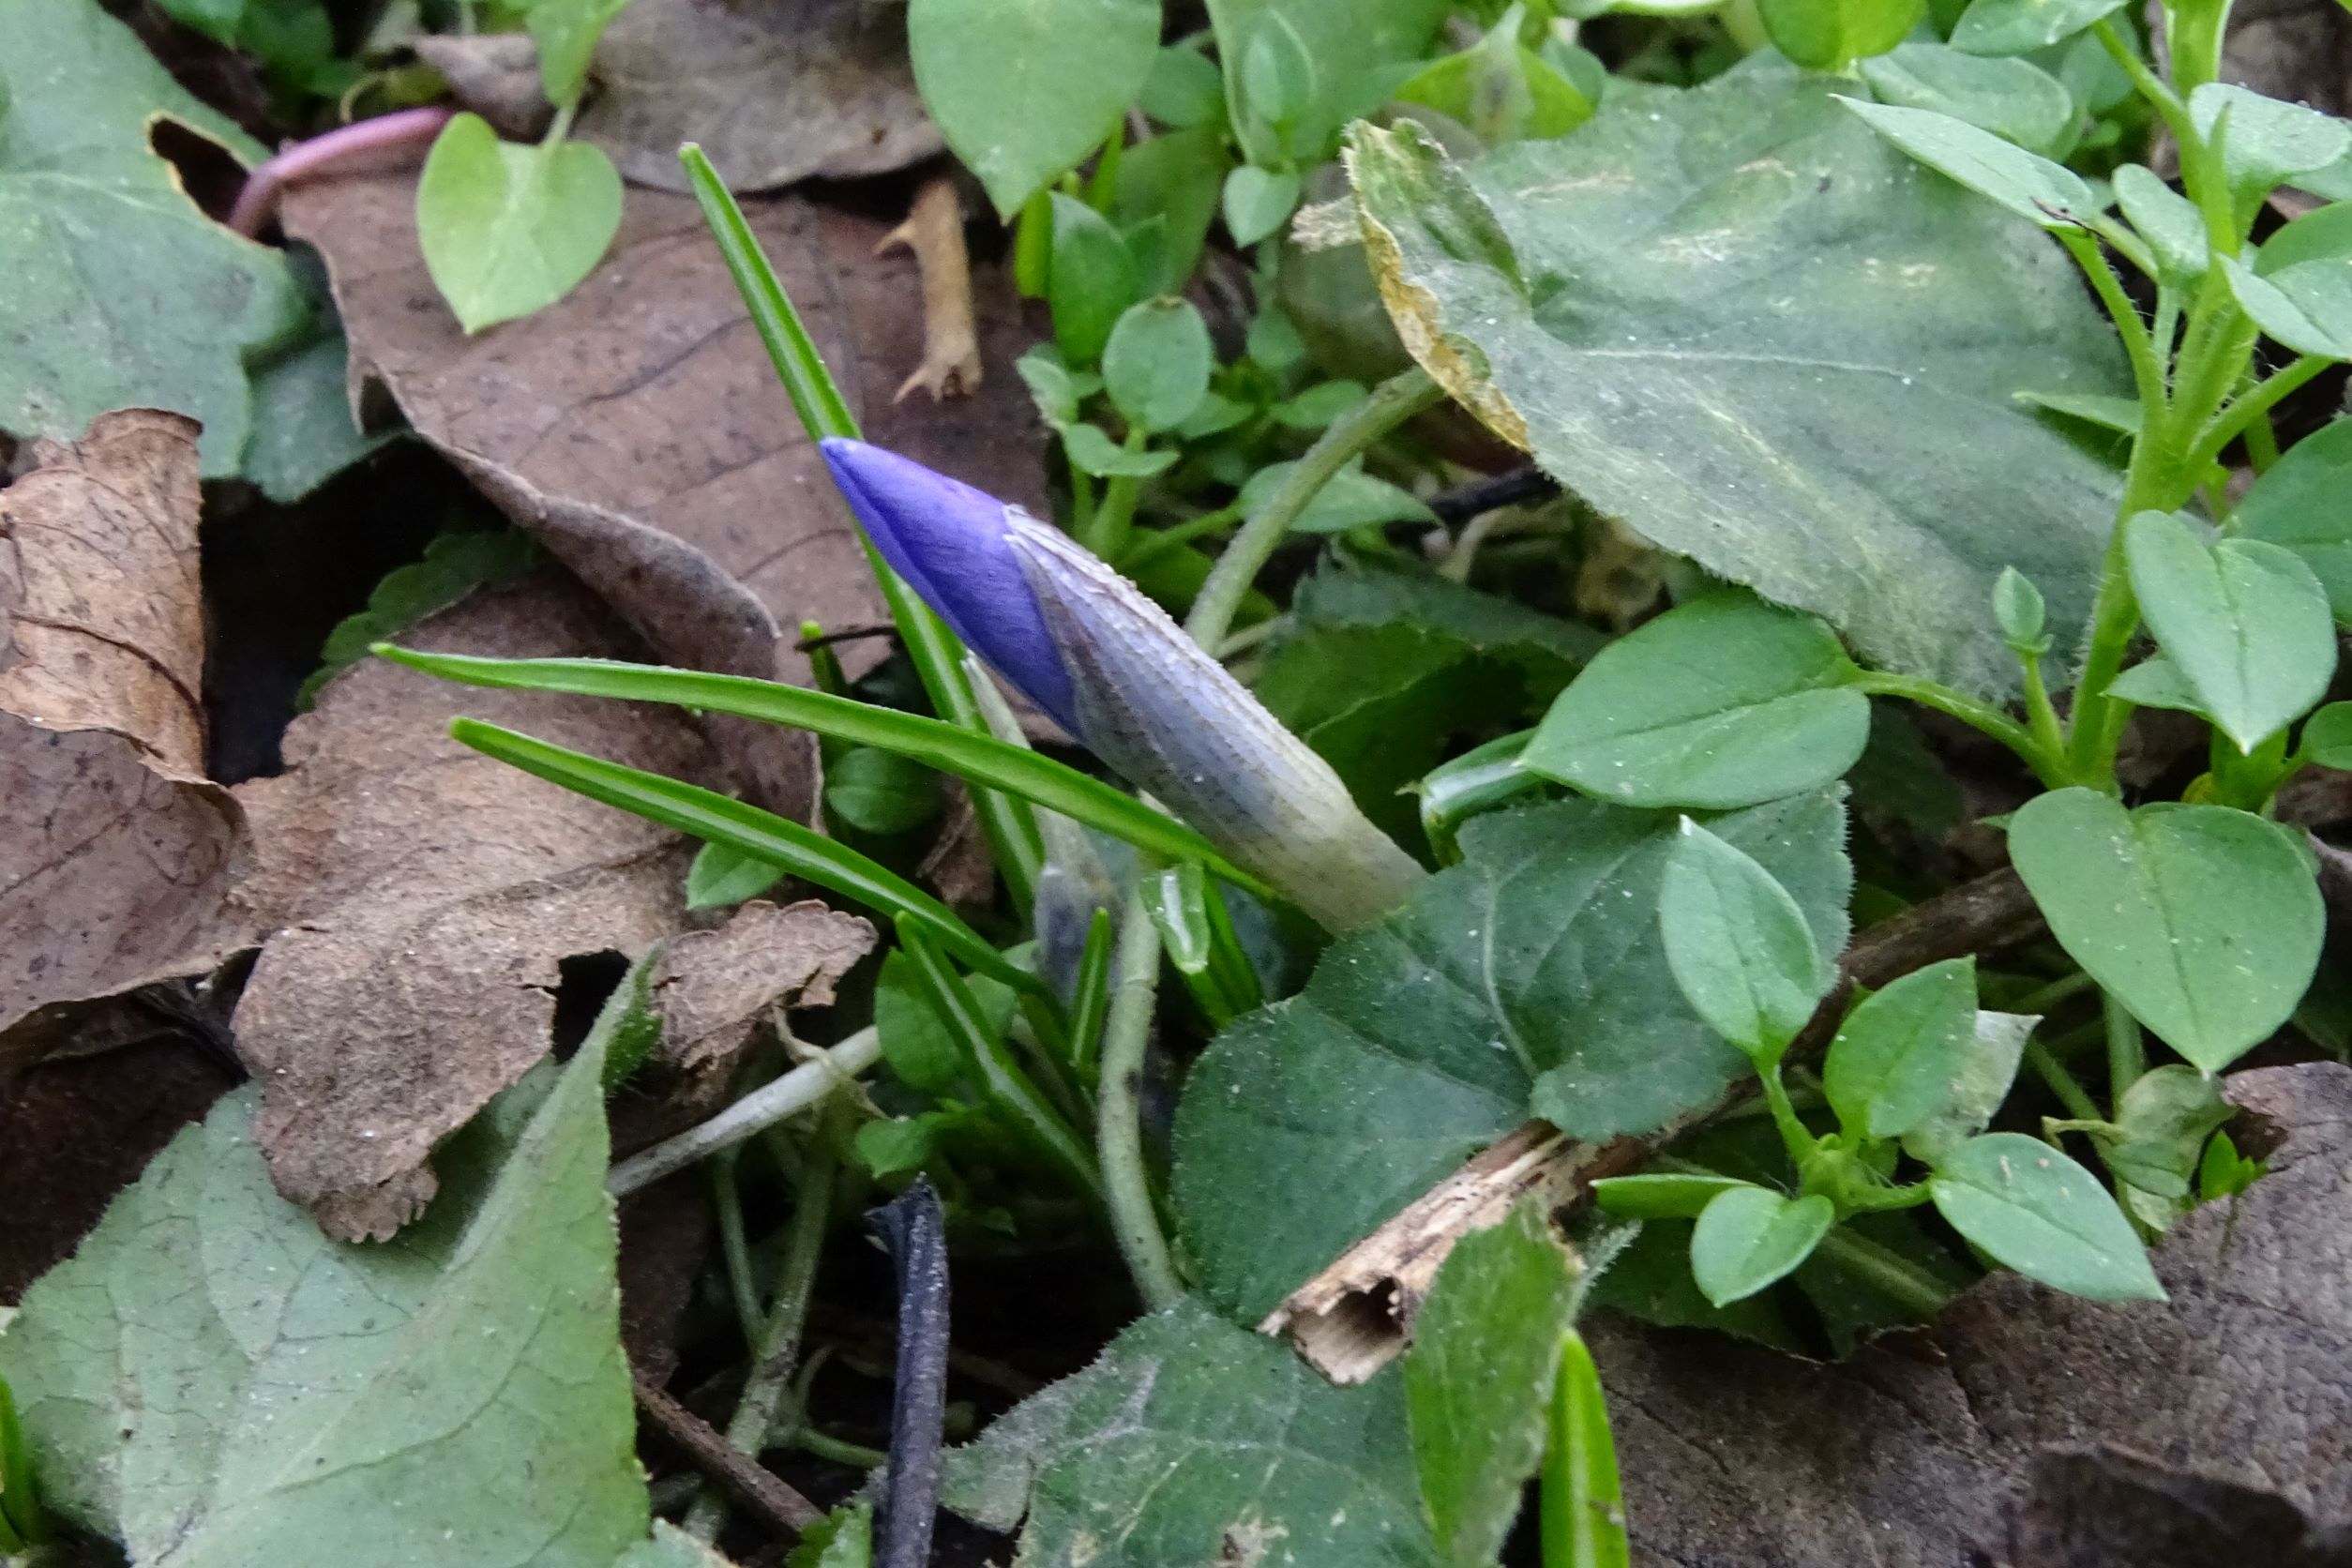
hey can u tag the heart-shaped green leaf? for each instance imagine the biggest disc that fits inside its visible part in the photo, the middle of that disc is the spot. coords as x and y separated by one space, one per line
1724 703
1829 35
1749 1237
2203 921
2032 1208
1257 200
2245 622
1738 944
509 229
1893 1062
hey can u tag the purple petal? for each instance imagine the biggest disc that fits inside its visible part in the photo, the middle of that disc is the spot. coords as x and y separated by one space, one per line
948 541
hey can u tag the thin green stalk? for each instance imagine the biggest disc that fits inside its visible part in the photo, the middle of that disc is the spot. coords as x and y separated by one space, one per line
2150 87
2127 1054
2042 719
1394 402
776 1349
855 1455
2070 1093
1118 1125
2148 371
1000 1076
1108 532
2197 27
1977 714
1010 829
2251 412
1089 1003
2042 999
1800 1143
1175 536
1919 1291
733 1245
1103 186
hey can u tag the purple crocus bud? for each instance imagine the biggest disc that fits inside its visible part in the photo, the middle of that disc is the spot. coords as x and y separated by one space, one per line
1085 646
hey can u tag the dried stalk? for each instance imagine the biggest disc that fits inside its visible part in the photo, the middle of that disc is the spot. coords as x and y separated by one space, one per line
934 231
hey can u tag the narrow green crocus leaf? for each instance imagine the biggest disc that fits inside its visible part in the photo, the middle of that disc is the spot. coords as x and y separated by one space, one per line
1724 703
1749 1237
1738 944
2030 1207
1583 1504
2026 183
509 228
1663 1195
2203 921
982 758
717 819
991 1066
1892 1065
2245 622
1090 1000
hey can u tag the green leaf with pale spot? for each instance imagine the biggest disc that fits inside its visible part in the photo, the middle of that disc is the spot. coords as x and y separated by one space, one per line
216 1384
120 291
1738 321
1529 980
1195 1441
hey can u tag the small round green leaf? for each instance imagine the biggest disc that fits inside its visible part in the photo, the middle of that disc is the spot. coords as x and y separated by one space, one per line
2327 736
2299 503
2203 921
1738 944
1157 362
1749 1237
2030 1207
1899 1056
1093 282
1257 200
1023 93
508 229
1829 34
1724 703
2244 622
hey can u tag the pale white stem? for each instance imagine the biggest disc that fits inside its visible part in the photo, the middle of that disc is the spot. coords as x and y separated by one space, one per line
764 1108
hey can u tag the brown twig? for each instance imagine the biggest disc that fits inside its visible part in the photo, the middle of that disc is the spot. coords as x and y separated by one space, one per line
1353 1317
934 231
750 1482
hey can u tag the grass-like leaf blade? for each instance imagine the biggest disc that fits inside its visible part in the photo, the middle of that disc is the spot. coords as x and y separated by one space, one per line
980 759
715 819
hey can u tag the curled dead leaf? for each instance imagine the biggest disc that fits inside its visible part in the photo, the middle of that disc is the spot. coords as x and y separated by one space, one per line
713 987
117 855
423 896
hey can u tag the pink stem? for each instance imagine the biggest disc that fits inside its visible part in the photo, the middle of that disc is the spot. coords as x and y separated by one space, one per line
324 154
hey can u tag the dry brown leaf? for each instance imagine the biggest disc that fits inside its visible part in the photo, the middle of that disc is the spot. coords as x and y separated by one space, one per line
424 896
713 987
1924 1449
639 428
494 74
775 91
115 853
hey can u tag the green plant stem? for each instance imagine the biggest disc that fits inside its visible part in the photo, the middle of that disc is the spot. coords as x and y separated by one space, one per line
2252 411
1175 536
2042 998
1391 403
2148 370
1111 527
2150 87
1118 1122
776 1352
1103 186
856 1455
734 1246
2197 26
1979 715
1889 1272
1800 1143
764 1108
1007 825
2127 1054
2042 719
2070 1093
